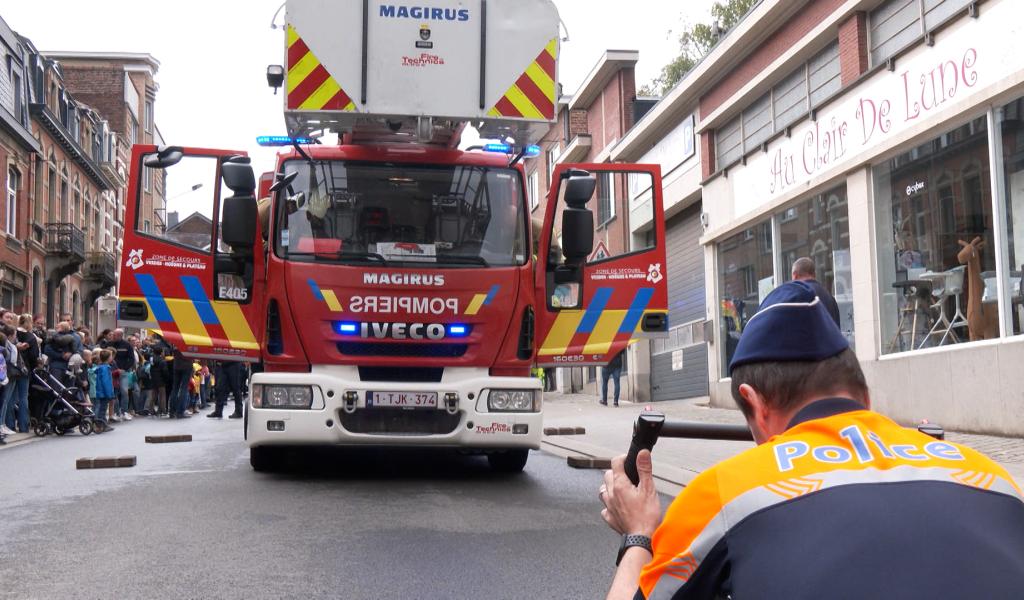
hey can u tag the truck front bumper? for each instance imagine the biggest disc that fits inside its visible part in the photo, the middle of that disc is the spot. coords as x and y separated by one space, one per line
333 420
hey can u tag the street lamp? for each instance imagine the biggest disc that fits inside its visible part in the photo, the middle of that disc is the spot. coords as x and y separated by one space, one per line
189 191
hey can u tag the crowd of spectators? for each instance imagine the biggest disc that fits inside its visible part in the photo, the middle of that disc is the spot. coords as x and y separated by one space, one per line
123 377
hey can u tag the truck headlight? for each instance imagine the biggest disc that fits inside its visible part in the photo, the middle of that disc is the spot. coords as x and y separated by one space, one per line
513 401
282 396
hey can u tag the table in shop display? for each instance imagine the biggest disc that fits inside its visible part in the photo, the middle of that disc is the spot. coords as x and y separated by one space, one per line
917 294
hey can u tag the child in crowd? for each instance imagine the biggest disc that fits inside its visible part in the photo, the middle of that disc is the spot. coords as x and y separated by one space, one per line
104 389
94 361
193 390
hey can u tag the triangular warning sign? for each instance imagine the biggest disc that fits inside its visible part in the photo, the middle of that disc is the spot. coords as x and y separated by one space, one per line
601 252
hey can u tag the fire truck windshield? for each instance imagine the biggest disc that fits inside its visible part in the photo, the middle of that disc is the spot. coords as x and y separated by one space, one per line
402 215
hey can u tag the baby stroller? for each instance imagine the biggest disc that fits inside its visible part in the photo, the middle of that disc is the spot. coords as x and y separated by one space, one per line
56 408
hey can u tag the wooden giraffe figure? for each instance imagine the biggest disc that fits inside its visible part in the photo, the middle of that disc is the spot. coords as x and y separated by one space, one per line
982 320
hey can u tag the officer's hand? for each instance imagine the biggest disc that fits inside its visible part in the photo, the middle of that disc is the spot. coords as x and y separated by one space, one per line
630 509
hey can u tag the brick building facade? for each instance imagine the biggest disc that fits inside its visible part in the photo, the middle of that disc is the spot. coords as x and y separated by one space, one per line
64 157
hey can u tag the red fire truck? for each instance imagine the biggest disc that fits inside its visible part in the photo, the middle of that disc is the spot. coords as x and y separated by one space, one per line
394 288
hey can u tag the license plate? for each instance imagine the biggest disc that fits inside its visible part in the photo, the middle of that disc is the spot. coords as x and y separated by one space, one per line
402 399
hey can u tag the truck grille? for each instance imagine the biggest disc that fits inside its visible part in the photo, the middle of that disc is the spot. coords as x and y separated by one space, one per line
417 374
396 421
402 350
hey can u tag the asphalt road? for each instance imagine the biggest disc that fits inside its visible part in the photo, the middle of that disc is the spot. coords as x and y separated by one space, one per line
192 520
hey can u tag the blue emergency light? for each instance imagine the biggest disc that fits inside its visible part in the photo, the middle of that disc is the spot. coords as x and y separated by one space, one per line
281 140
532 151
458 330
346 328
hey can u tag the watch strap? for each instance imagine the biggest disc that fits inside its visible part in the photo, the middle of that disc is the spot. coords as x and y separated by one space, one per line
631 539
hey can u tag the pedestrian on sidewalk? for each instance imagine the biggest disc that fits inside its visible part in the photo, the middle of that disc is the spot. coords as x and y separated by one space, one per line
104 393
612 370
804 270
158 375
834 501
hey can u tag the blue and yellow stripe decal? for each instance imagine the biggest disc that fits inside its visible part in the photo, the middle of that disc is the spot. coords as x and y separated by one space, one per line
327 296
195 317
481 300
596 327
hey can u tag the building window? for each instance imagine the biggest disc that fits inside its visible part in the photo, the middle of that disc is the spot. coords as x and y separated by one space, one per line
745 276
147 179
819 229
533 185
11 222
729 143
605 198
896 24
148 116
37 291
19 102
37 170
133 131
552 159
808 85
930 203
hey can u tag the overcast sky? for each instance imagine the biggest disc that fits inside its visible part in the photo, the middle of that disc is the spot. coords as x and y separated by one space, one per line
213 53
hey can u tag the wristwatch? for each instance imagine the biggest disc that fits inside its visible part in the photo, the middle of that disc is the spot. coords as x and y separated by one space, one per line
629 540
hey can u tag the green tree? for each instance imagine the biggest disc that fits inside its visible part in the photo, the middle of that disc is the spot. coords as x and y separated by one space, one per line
697 41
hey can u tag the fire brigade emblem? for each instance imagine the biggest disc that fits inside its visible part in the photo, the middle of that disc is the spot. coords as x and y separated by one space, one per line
134 259
424 33
654 273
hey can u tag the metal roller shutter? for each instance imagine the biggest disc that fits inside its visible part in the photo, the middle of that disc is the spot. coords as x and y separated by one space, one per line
686 301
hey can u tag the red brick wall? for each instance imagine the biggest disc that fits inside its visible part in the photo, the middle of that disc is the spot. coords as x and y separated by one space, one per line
707 154
577 123
853 47
813 13
102 88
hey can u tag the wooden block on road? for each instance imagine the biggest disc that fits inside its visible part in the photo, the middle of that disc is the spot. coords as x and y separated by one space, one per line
588 462
168 439
105 462
565 431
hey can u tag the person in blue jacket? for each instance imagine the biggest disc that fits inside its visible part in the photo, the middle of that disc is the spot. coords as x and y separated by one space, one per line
104 390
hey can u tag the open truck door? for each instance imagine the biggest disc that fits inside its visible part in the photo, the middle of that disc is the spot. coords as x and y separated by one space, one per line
190 254
596 296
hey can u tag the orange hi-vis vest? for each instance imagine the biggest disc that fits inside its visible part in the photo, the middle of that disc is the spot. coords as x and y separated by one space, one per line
844 504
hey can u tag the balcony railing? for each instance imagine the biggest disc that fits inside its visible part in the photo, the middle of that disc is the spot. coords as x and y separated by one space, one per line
65 240
101 267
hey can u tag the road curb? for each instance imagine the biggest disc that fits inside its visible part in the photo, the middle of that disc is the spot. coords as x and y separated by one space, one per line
565 431
675 478
168 439
105 462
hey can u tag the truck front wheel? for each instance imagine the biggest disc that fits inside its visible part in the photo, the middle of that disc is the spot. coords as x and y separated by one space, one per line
509 461
265 459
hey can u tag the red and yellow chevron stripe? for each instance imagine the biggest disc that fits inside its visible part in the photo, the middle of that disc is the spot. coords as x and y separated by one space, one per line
310 86
533 95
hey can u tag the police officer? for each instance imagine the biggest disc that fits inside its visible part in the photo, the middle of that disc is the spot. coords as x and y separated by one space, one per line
836 501
229 376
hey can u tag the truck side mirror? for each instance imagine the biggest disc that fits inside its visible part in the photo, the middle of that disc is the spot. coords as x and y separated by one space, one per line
579 189
240 212
166 156
577 234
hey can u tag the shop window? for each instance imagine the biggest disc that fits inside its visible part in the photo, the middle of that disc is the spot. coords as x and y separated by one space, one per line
1012 145
819 229
745 276
936 245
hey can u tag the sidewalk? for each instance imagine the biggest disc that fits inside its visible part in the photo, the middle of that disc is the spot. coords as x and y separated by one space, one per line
677 461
